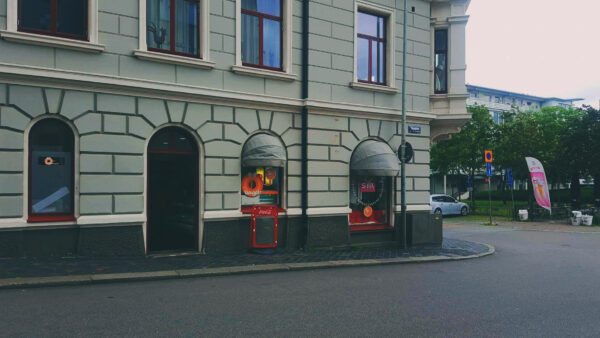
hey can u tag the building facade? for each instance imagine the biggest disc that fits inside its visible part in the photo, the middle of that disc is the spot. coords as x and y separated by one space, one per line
500 101
138 126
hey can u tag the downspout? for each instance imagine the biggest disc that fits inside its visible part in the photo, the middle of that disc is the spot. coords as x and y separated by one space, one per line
304 131
403 145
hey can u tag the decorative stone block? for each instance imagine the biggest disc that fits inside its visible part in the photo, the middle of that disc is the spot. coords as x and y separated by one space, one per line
197 114
91 163
112 143
139 127
129 164
53 99
116 103
89 123
95 204
176 109
114 123
111 184
29 99
76 103
129 203
10 139
247 119
211 131
10 117
153 110
223 114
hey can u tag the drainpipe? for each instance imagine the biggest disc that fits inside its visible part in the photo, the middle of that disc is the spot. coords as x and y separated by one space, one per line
403 146
304 131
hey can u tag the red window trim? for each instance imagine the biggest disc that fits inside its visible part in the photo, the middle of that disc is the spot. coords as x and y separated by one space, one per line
261 16
172 20
370 227
371 38
50 218
53 24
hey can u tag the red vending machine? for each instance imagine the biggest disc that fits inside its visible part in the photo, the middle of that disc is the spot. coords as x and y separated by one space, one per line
263 227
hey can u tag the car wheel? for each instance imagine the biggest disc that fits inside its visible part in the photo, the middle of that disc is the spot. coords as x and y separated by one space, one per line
464 211
438 212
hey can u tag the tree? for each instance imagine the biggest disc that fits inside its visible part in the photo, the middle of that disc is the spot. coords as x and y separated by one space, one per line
463 153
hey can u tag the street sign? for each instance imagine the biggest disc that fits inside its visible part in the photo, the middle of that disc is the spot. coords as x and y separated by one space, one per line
489 170
510 181
469 181
414 129
488 156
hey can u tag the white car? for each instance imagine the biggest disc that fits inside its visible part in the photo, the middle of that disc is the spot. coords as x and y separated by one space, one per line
446 205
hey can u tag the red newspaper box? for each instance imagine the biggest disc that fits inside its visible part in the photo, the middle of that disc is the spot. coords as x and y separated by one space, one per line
262 231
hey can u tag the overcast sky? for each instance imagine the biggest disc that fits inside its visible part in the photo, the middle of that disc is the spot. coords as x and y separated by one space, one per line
537 47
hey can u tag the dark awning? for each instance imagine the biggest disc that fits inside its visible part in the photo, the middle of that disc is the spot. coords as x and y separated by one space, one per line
374 158
263 150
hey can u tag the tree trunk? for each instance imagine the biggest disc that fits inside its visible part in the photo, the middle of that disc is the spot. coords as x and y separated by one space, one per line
575 191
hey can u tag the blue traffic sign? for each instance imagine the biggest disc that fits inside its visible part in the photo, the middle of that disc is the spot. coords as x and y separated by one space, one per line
469 181
510 181
489 170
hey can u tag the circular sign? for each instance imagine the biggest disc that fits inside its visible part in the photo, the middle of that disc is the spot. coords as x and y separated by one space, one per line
408 153
252 186
270 174
48 161
368 211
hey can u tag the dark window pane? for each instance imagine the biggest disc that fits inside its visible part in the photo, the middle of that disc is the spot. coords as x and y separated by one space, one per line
181 141
250 39
441 40
440 73
377 60
186 26
72 17
35 14
159 24
272 7
371 25
51 146
271 43
362 63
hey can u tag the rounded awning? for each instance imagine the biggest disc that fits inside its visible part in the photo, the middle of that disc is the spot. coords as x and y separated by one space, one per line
263 150
374 158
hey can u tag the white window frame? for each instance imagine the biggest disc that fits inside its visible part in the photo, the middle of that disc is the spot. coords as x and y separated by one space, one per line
390 51
203 61
286 34
12 32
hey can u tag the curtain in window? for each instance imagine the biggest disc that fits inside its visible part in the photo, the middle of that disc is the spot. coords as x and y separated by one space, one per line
250 39
158 28
186 26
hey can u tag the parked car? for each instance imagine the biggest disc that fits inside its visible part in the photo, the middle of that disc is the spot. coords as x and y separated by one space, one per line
446 205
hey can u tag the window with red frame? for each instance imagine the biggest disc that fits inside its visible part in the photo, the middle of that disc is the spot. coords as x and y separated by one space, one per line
371 40
172 26
370 202
62 18
261 34
51 146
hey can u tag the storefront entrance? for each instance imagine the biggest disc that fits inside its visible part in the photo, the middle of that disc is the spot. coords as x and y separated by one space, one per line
172 191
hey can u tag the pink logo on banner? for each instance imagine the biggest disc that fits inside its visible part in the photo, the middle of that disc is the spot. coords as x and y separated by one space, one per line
540 185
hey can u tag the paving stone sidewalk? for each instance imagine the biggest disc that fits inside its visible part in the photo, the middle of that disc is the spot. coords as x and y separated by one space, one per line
29 267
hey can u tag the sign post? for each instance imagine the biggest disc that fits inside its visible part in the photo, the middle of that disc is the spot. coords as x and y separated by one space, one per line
510 182
488 160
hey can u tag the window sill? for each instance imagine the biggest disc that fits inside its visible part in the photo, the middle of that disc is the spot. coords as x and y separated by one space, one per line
264 73
370 227
173 59
374 87
52 41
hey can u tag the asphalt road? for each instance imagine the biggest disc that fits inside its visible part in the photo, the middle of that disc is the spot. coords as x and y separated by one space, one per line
538 284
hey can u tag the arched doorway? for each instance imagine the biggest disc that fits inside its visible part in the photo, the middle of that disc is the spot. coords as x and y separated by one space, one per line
173 202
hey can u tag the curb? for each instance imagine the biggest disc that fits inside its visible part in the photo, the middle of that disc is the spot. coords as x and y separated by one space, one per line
35 282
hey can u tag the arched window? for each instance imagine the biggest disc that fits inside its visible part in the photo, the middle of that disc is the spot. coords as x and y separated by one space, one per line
51 171
263 160
372 167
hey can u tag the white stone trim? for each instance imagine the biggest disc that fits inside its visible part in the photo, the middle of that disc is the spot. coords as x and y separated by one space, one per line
173 59
82 221
111 219
237 214
204 45
265 73
373 87
328 211
12 33
286 35
414 207
390 50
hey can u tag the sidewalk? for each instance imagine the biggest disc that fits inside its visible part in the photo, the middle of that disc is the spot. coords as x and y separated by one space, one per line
29 272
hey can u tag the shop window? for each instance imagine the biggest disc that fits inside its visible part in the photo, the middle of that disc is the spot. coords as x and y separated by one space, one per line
369 201
51 176
261 186
441 61
262 34
62 18
371 49
172 26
